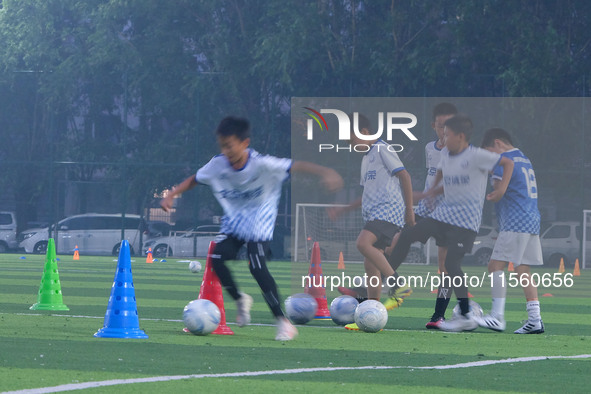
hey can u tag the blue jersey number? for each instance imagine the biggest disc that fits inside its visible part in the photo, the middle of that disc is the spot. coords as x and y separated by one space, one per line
530 180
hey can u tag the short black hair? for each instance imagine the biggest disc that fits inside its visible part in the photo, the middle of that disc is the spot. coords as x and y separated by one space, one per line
233 126
460 124
444 109
496 134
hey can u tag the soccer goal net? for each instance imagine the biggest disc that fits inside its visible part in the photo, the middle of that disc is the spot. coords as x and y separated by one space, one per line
336 236
586 239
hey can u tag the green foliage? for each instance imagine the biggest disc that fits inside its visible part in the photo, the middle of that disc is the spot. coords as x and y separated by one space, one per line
145 82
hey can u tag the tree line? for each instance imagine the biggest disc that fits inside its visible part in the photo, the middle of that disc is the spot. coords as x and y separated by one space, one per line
131 90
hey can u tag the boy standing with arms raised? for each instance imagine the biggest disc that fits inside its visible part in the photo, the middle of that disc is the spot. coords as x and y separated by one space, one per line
248 187
455 221
519 239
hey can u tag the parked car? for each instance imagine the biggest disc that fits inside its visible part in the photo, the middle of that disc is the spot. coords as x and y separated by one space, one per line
8 239
562 240
94 234
156 228
193 242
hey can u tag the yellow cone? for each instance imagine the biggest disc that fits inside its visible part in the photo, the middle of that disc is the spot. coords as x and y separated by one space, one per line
577 270
341 265
561 268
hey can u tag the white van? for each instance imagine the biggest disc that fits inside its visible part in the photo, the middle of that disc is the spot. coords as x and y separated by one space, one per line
7 231
93 233
562 240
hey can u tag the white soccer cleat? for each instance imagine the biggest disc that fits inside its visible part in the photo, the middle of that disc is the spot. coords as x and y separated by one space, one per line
243 305
531 328
460 323
285 330
491 322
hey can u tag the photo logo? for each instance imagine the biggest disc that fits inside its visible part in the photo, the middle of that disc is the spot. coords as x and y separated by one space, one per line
394 121
315 116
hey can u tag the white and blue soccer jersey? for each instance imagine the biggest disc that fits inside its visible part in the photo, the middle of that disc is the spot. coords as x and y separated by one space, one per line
432 157
249 196
465 177
518 210
382 197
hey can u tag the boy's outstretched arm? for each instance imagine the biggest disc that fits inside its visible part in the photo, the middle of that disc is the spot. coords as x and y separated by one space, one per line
331 179
187 184
334 212
407 195
500 187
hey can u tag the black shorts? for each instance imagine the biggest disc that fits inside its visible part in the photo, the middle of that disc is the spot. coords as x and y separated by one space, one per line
384 232
451 236
440 244
228 246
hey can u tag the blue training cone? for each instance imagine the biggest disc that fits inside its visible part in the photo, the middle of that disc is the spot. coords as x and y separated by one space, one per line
121 318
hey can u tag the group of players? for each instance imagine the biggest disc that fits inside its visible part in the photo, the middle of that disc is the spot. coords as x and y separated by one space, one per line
248 187
450 210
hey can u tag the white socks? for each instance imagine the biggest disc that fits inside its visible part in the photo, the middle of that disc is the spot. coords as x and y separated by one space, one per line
533 311
499 294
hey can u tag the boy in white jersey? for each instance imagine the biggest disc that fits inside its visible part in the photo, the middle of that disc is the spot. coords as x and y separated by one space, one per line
386 206
248 187
441 113
455 221
519 240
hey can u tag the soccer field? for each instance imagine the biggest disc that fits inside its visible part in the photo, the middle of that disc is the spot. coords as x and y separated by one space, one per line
44 351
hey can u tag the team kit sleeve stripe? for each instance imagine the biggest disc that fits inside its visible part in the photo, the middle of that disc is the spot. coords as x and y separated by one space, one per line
390 160
396 170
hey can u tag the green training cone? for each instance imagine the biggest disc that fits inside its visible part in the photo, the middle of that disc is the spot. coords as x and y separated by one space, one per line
50 291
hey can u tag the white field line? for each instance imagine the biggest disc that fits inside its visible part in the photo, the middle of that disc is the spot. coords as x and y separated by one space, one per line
115 382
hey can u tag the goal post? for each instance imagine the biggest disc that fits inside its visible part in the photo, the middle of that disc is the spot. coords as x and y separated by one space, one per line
312 224
586 238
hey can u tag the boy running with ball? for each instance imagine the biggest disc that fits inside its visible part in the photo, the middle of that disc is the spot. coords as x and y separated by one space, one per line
248 186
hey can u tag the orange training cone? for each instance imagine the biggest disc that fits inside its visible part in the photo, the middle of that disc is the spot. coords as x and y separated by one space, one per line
511 267
341 265
561 268
76 254
577 270
149 258
317 289
211 289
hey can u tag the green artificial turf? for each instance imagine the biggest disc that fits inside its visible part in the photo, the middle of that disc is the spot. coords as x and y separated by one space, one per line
44 349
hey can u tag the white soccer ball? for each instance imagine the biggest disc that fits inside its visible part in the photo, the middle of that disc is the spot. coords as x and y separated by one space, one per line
474 308
371 316
300 308
342 310
195 266
201 317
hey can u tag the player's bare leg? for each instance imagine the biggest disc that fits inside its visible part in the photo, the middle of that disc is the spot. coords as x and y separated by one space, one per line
375 256
374 289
